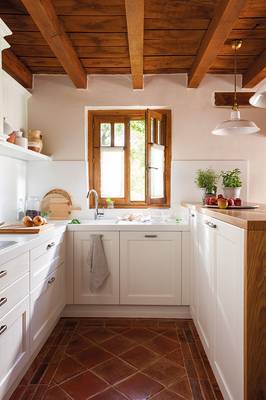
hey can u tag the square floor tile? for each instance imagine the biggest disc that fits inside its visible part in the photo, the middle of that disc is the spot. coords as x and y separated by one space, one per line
66 369
77 344
182 387
139 335
162 345
167 395
139 387
114 370
109 394
98 335
92 356
176 356
56 393
83 386
165 371
118 344
139 357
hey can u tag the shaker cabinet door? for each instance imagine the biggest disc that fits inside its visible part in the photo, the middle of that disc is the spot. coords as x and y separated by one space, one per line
150 268
108 293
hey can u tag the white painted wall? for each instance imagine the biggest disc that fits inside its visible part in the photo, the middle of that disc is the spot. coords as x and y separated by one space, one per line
58 109
13 173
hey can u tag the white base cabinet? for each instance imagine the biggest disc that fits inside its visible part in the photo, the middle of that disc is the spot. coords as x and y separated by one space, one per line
150 268
109 292
217 308
14 344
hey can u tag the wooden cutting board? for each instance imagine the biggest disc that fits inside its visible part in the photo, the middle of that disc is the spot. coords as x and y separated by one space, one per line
22 229
58 204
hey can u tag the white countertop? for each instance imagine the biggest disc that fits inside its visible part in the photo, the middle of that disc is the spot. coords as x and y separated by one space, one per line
27 242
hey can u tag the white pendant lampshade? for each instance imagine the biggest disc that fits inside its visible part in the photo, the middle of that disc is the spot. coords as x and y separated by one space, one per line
259 98
235 125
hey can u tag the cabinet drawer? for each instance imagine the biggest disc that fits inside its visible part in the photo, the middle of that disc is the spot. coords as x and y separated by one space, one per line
13 269
46 264
13 294
47 301
48 248
14 344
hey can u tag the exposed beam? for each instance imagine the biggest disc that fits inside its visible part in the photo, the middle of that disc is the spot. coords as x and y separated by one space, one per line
135 33
17 69
219 29
226 99
256 72
44 16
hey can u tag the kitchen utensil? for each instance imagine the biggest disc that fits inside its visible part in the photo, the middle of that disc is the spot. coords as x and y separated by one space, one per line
57 204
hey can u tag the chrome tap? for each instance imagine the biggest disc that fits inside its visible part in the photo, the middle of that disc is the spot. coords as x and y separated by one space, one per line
97 213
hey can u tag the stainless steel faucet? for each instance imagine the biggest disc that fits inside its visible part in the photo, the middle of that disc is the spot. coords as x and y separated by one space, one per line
97 213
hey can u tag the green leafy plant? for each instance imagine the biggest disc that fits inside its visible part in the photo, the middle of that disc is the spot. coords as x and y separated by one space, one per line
207 179
231 179
109 201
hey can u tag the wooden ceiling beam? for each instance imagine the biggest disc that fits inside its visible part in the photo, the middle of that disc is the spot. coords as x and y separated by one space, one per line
17 69
219 29
135 33
44 16
256 72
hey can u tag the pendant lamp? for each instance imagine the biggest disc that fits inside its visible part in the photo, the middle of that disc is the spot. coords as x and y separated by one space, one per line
259 98
235 125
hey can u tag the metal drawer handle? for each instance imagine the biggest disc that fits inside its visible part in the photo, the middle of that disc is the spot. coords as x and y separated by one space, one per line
51 280
50 245
3 328
3 300
211 224
192 215
151 236
3 273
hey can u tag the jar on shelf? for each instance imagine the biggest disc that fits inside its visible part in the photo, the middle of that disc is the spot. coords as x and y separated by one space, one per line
35 142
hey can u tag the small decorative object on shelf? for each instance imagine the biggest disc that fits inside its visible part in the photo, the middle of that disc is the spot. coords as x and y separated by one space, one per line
20 140
110 203
35 140
232 183
207 180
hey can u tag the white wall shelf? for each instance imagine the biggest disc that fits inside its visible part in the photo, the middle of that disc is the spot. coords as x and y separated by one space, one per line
13 151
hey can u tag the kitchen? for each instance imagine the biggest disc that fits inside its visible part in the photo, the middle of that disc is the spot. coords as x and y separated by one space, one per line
132 99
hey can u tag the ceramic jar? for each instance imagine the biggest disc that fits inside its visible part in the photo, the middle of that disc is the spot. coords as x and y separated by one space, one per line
35 140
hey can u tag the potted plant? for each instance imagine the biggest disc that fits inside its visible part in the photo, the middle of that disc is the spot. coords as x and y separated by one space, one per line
206 180
232 183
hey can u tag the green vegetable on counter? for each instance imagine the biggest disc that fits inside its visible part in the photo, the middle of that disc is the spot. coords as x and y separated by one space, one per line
75 221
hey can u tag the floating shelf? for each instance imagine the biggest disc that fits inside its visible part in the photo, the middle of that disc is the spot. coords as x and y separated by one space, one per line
13 151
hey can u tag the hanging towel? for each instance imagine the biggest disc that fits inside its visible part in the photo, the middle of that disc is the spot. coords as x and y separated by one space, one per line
97 262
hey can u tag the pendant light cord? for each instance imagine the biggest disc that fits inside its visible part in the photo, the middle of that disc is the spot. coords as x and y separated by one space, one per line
235 106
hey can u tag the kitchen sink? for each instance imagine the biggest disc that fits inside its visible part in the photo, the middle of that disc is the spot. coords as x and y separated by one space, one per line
6 243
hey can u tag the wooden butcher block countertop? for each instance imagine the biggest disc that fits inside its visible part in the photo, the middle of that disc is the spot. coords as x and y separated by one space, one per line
247 219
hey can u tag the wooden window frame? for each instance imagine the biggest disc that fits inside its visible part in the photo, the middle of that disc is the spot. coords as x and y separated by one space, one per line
94 118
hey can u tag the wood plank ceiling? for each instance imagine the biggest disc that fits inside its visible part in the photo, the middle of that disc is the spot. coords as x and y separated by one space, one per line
175 33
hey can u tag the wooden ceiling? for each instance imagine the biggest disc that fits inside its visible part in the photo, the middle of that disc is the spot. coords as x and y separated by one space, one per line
137 37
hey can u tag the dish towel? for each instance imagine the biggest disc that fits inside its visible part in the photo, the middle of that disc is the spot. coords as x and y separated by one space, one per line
97 263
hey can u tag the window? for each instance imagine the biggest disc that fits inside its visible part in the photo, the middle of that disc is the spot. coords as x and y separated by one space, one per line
130 157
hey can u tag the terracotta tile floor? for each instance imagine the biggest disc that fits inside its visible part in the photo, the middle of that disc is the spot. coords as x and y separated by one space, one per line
119 359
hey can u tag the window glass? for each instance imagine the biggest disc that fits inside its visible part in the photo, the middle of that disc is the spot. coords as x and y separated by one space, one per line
137 160
119 132
105 129
157 171
112 172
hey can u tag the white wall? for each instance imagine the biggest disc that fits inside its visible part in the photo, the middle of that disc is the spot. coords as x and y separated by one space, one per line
13 173
58 109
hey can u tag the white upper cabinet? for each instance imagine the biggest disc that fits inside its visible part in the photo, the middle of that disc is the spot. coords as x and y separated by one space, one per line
109 292
150 268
